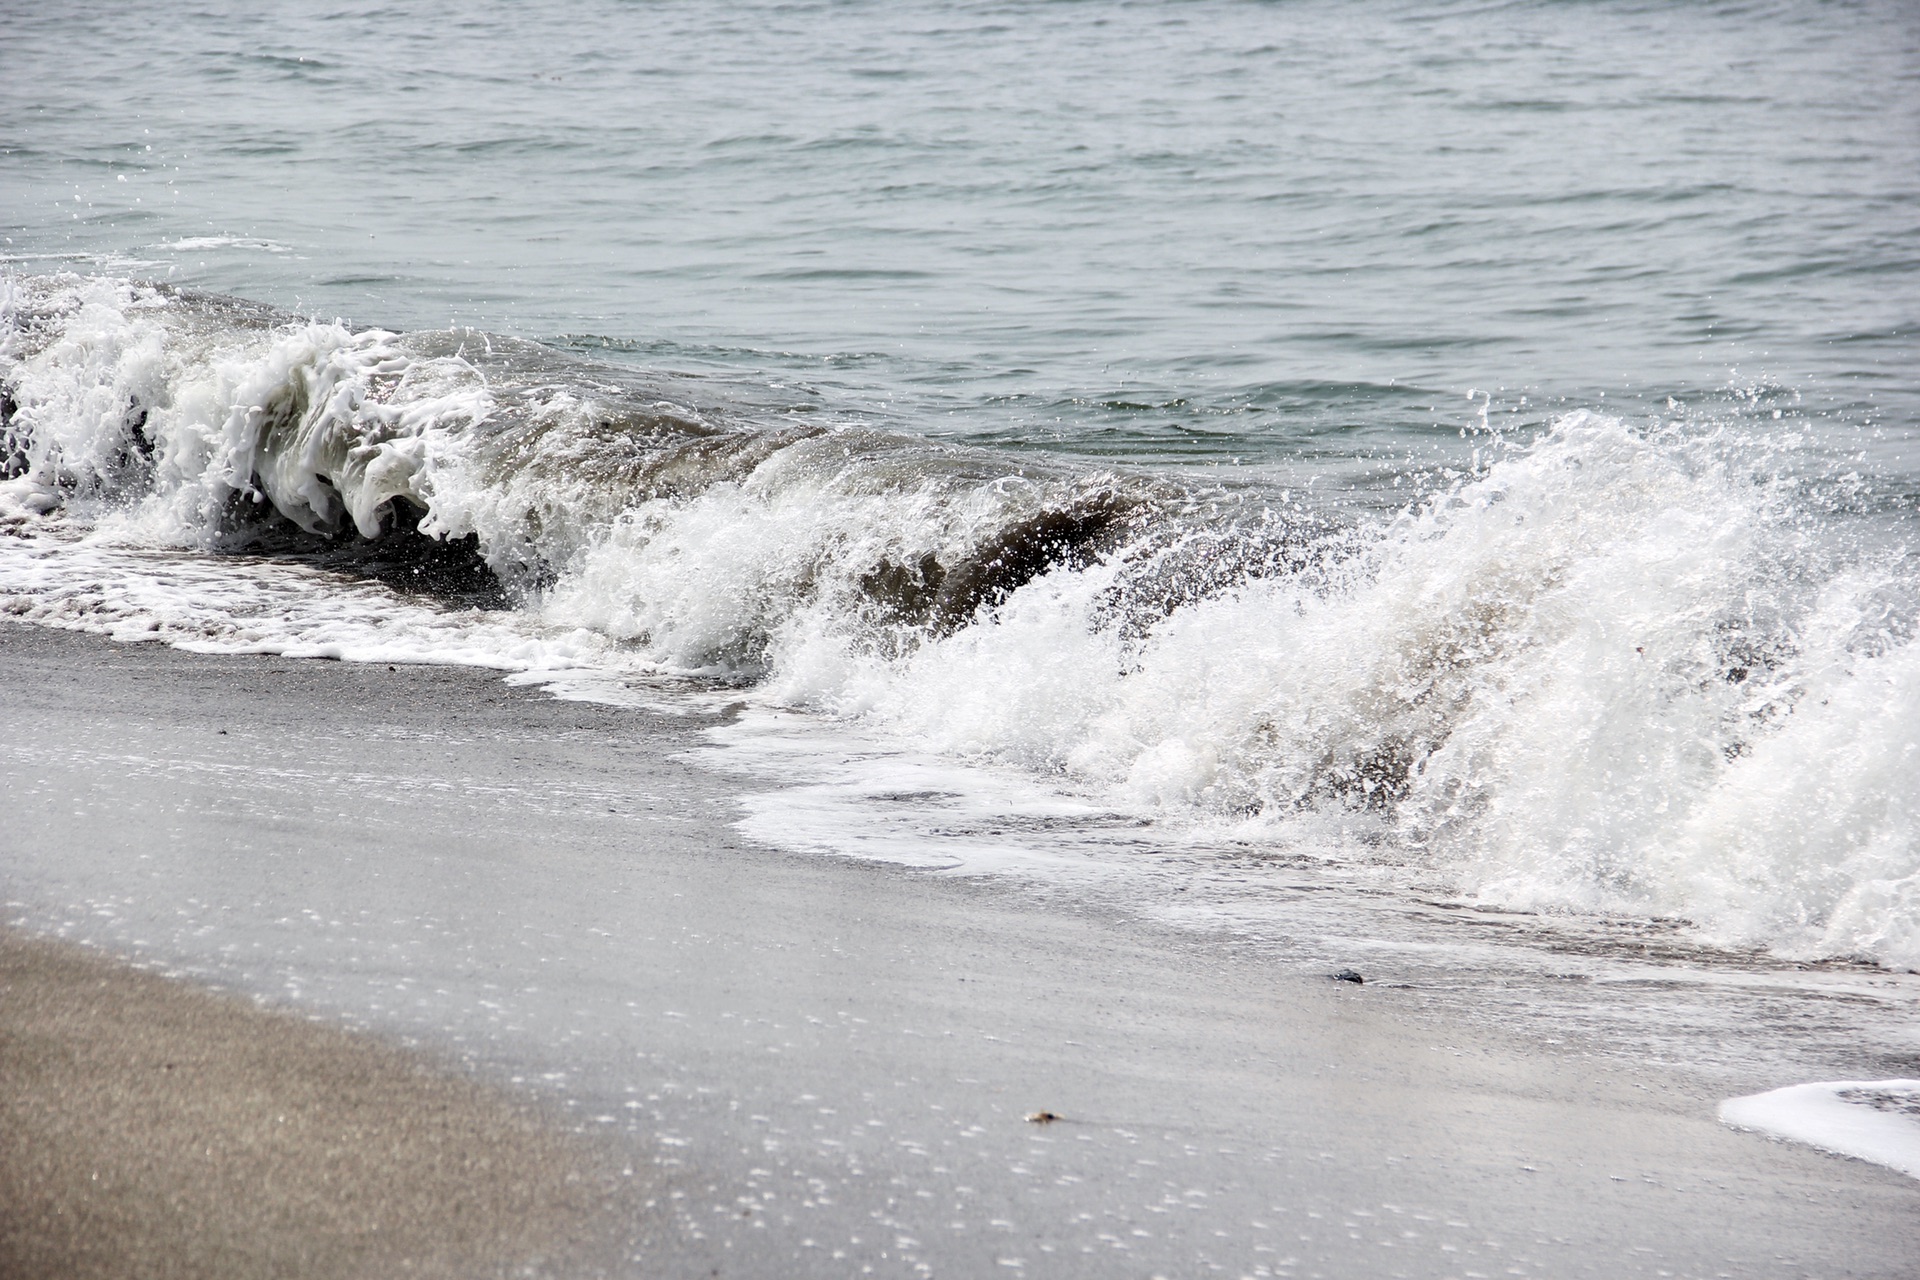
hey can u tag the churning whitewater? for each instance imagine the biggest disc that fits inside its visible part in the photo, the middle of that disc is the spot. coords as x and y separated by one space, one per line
1607 665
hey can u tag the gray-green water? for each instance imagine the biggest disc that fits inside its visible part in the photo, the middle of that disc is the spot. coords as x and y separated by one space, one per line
1194 231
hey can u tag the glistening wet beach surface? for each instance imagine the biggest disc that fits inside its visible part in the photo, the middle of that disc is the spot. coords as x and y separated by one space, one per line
827 1058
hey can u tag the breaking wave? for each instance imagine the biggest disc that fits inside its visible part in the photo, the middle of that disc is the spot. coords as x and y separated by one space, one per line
1611 666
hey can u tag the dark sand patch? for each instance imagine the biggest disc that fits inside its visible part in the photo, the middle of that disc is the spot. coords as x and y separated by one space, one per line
152 1129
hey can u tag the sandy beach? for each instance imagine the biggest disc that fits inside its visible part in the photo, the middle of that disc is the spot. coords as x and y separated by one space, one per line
815 1068
153 1129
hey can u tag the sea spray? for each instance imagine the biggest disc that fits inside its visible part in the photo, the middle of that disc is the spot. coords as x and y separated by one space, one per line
1613 666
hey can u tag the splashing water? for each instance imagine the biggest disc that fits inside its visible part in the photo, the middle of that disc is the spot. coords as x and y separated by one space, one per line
1607 666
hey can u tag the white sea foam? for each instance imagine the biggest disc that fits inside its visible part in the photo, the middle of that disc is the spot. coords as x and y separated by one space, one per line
1617 667
323 423
190 243
1615 673
234 605
847 793
1872 1120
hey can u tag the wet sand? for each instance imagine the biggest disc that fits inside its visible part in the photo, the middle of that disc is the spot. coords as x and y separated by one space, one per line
152 1129
825 1068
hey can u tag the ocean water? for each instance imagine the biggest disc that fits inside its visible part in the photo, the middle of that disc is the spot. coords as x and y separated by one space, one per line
1471 449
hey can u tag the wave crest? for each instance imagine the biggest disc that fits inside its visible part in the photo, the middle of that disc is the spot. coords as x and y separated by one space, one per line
1614 667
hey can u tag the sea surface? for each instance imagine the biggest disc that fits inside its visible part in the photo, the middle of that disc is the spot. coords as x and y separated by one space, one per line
1464 455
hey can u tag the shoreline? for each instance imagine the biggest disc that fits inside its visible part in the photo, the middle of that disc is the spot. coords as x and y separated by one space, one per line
831 1064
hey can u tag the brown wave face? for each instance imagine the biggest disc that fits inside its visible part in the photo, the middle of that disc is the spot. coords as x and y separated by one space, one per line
452 570
13 450
945 597
636 439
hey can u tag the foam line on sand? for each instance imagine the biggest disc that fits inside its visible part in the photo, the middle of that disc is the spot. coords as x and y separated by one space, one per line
1873 1120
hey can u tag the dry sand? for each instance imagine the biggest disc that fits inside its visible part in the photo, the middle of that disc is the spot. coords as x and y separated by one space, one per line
152 1129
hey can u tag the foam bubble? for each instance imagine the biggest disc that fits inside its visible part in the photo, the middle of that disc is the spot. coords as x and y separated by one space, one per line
1873 1120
